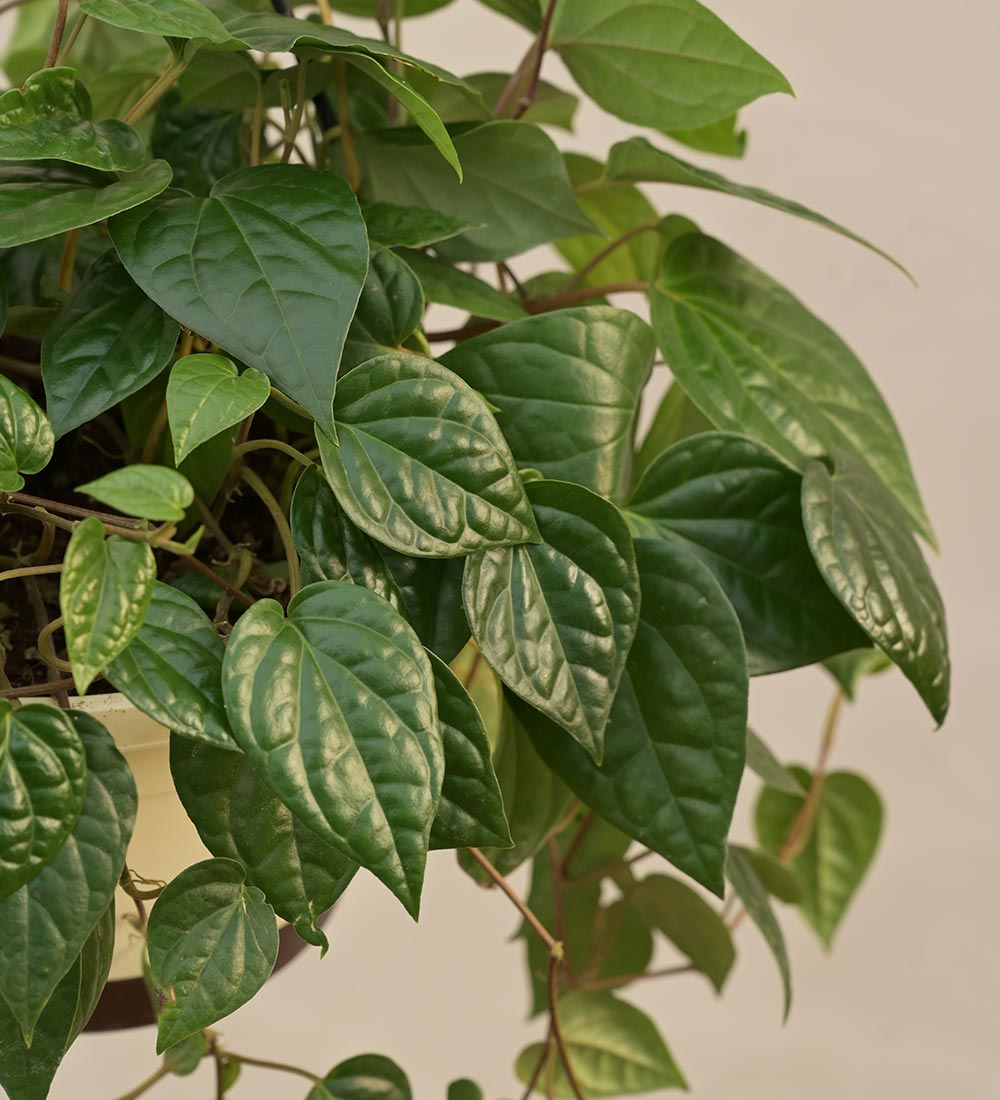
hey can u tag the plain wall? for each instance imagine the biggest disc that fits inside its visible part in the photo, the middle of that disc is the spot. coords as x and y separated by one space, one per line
892 133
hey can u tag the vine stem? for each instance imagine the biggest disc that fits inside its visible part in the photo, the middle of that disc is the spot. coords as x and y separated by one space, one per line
74 34
151 96
146 1085
51 687
29 571
530 68
798 835
270 502
551 943
295 122
57 35
609 250
536 71
272 445
351 163
263 1063
624 979
68 259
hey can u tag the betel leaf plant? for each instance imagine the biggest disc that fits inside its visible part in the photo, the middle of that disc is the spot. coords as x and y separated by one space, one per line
396 587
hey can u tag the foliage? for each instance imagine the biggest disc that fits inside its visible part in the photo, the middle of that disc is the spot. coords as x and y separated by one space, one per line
392 588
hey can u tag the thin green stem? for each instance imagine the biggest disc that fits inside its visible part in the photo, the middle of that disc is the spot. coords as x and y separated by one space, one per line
68 259
145 1086
798 835
29 571
351 164
74 34
151 96
599 258
263 1063
46 650
272 445
295 122
270 502
258 124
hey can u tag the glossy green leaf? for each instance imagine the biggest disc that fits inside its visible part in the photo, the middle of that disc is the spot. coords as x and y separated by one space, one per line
48 118
43 779
862 544
365 1077
431 593
676 418
389 310
201 145
213 942
851 669
471 810
556 620
170 18
614 1048
737 506
47 921
515 185
239 817
724 138
756 361
434 493
41 199
689 922
676 739
669 64
148 492
567 385
106 343
410 226
104 591
749 888
452 286
172 669
296 257
762 761
335 706
26 437
205 395
840 846
777 878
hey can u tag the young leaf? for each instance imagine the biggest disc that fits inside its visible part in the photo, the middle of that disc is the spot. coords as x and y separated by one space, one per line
676 738
205 395
761 760
556 620
43 779
297 255
777 878
365 1077
614 1049
213 942
148 492
48 118
437 493
389 310
335 706
104 591
410 226
862 544
851 669
47 921
669 64
170 18
172 669
840 847
451 286
106 343
239 817
567 385
737 506
756 361
26 438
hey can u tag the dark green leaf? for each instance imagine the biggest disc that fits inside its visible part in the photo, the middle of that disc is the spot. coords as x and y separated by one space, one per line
213 942
365 1077
410 226
669 64
464 1089
676 738
185 1057
756 361
201 145
737 506
850 669
453 287
676 418
170 18
43 779
44 198
421 464
107 343
389 310
840 847
296 257
47 921
556 620
550 106
371 7
526 12
761 760
239 817
567 385
148 492
26 437
335 706
48 118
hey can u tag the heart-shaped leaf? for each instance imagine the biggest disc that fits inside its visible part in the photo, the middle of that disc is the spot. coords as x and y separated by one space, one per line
148 492
389 310
451 286
296 254
205 395
567 387
862 544
213 942
676 738
47 921
239 817
421 464
335 706
737 506
170 18
556 620
43 779
104 591
26 437
48 118
366 1077
410 226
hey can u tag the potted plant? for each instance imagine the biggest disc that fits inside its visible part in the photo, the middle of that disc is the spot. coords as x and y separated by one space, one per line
340 586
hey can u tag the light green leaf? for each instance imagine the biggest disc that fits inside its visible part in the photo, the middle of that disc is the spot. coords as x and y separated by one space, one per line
614 1048
766 765
104 591
526 12
434 493
296 255
335 706
862 544
567 385
756 361
851 669
148 492
389 311
723 138
213 942
777 878
556 620
410 226
365 1077
26 437
43 779
453 287
170 18
205 395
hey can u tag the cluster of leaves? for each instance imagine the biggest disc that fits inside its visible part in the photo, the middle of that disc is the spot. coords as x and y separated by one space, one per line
388 601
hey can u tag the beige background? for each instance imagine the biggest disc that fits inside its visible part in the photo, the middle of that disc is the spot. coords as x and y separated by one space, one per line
893 133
